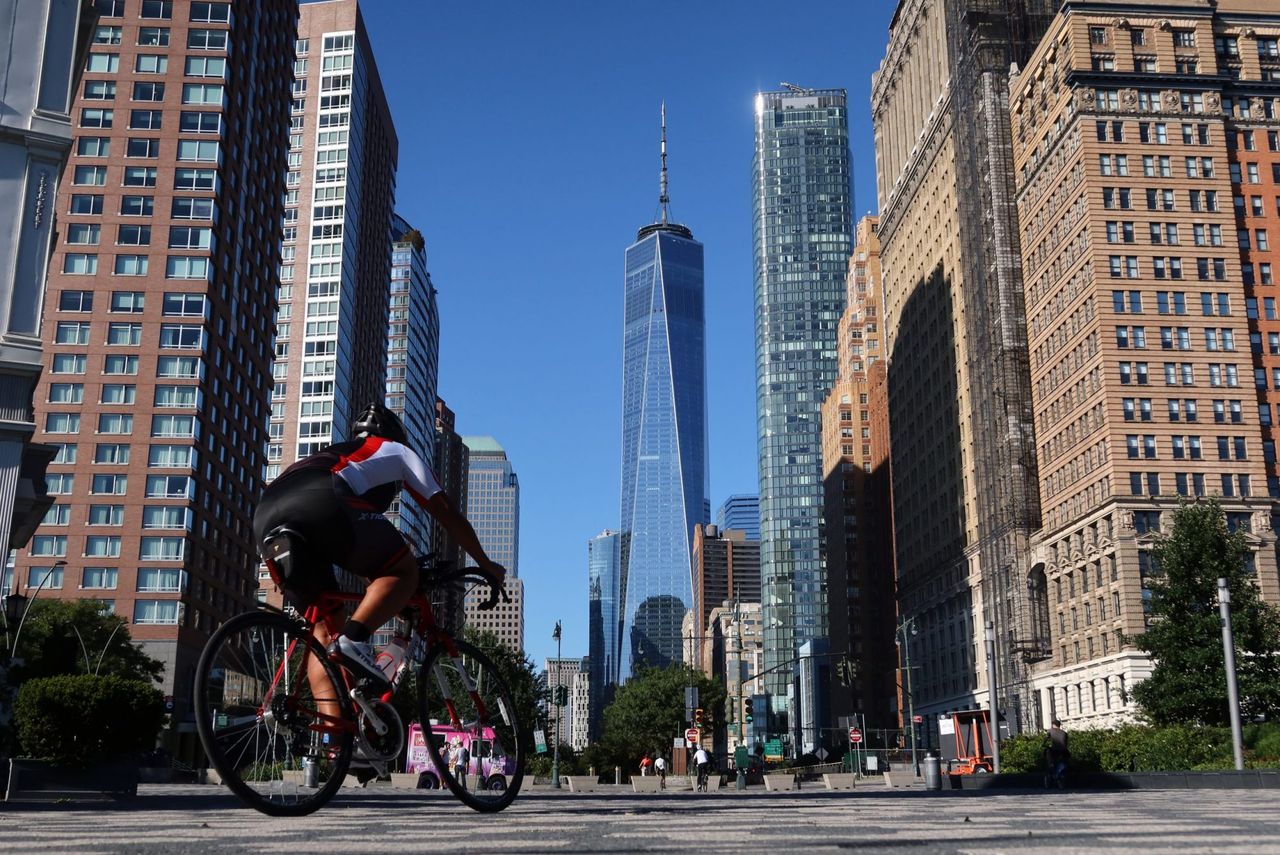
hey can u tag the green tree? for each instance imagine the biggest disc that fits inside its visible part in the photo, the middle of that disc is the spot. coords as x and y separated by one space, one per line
1188 683
72 636
648 711
528 689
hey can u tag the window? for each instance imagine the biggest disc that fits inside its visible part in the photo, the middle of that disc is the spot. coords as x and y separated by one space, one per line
100 578
80 264
184 305
131 265
66 393
134 236
198 150
51 546
140 176
72 332
99 90
91 175
107 35
117 423
148 91
120 365
173 426
116 393
128 301
179 366
68 363
151 64
194 179
110 485
207 39
162 9
185 237
214 13
181 336
169 486
75 301
137 206
62 423
124 334
95 118
170 457
186 267
59 483
155 611
111 454
164 517
206 66
202 93
86 203
84 234
142 148
153 36
182 397
93 147
102 63
197 122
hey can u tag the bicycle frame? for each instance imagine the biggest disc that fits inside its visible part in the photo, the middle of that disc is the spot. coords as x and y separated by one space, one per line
325 612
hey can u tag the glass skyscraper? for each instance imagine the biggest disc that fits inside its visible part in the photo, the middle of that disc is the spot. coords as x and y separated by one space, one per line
664 437
741 512
802 190
603 627
493 502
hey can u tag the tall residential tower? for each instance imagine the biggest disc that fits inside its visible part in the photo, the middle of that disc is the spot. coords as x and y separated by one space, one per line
803 199
664 434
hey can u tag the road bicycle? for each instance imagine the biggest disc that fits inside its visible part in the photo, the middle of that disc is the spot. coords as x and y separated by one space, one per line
280 721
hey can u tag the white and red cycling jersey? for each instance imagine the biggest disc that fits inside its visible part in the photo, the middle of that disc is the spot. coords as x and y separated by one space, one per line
372 467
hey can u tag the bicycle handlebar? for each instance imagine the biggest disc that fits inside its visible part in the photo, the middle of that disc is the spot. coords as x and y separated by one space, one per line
432 571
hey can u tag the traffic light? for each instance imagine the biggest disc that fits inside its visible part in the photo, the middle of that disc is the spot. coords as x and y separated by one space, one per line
746 710
562 696
698 718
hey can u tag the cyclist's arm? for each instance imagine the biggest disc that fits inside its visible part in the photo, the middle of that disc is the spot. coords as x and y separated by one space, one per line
447 514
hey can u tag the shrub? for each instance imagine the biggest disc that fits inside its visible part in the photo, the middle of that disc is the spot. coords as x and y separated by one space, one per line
78 720
1266 742
1023 753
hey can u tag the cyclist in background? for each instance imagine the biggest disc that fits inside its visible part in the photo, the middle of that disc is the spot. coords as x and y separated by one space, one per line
336 499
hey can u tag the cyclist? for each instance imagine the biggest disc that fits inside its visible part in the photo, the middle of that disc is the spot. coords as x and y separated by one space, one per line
336 499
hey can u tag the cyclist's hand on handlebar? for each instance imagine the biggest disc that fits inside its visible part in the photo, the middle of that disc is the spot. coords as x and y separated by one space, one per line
496 575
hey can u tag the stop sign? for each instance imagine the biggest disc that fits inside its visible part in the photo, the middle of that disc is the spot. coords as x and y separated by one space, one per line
692 735
855 736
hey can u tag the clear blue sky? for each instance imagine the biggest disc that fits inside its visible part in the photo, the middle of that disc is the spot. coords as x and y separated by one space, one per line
529 157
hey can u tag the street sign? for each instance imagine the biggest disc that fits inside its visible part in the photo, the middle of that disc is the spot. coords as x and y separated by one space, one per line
540 742
773 750
691 735
821 753
918 719
855 736
678 742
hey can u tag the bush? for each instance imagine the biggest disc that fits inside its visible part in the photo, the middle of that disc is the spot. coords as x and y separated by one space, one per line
1140 748
79 720
1023 753
1265 742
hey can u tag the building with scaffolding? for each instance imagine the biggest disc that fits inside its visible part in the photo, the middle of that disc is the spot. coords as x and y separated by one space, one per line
1145 138
965 497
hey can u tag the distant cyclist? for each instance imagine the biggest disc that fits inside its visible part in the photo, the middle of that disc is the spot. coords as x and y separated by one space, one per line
336 499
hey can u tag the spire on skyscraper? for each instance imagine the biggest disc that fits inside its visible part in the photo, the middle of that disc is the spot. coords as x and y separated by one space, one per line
663 199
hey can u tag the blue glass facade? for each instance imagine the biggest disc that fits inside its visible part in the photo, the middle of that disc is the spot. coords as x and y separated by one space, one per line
802 192
741 512
664 441
493 502
604 601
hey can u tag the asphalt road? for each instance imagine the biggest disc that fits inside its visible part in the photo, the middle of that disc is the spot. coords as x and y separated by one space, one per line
182 819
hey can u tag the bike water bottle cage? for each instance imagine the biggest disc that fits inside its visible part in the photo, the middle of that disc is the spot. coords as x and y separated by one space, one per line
285 553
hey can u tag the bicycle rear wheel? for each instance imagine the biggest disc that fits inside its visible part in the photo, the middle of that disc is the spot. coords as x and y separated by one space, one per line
272 714
465 699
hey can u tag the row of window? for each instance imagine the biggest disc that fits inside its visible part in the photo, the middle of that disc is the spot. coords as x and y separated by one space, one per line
197 39
1183 409
201 12
165 397
146 148
119 454
208 94
150 580
1179 374
172 304
151 63
151 548
189 122
1175 302
153 516
121 424
176 267
182 207
1187 447
1190 484
1177 338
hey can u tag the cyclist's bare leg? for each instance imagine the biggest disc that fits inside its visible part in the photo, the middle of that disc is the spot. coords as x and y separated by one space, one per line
387 595
321 688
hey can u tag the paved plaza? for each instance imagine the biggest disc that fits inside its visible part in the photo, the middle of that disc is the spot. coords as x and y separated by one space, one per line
176 819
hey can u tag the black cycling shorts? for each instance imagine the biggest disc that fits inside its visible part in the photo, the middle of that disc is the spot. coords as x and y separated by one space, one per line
339 528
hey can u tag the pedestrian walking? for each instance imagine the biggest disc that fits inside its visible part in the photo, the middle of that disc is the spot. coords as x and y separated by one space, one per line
646 763
1057 756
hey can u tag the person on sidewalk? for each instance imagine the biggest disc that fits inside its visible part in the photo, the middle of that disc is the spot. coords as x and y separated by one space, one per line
703 761
1057 754
646 763
660 765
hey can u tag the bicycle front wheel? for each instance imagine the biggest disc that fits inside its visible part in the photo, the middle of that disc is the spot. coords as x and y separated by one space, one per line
272 715
466 703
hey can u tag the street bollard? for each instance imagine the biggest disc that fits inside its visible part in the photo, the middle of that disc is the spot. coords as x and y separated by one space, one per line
591 770
932 773
617 775
742 778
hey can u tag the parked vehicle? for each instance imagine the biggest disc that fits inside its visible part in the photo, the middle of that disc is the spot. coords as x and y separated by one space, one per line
490 767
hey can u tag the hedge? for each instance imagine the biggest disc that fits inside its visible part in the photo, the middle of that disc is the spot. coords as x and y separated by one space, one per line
81 719
1140 748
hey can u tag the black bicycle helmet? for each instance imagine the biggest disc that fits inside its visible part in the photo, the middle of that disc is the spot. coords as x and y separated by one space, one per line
377 420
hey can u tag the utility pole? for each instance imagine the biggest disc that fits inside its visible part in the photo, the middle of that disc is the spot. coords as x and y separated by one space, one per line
1233 691
555 700
991 696
910 624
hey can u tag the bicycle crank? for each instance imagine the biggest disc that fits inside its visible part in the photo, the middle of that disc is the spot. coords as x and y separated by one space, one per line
380 733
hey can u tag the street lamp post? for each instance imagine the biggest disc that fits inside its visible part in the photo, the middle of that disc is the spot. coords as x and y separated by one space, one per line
1233 693
27 610
991 696
122 622
909 625
555 700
